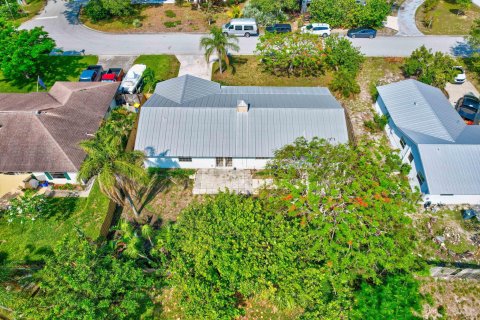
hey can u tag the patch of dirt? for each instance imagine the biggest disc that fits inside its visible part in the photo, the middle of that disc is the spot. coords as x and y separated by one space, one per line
165 18
452 299
445 236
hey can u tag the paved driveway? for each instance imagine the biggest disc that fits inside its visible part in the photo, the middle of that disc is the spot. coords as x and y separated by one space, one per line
406 18
456 91
212 181
60 19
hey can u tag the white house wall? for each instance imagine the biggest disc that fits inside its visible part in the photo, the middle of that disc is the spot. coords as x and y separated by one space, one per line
452 199
204 163
42 177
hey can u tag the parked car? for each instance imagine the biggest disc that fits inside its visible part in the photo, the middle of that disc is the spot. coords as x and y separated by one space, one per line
279 28
113 75
91 74
362 33
468 108
132 81
241 27
321 29
461 76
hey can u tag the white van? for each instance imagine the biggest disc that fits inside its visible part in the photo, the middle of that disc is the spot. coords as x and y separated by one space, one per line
241 27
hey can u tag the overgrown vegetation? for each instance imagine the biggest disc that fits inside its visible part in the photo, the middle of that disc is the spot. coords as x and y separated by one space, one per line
431 68
305 55
349 13
98 10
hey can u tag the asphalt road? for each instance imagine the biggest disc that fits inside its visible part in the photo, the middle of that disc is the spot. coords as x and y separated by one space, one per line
59 18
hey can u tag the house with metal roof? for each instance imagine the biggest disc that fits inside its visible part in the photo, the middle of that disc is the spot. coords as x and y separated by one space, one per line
195 123
40 132
443 151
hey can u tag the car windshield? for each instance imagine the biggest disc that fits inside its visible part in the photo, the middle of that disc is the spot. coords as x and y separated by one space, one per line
471 103
468 110
227 25
309 27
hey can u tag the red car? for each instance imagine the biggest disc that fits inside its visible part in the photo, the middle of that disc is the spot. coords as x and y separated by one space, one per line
113 75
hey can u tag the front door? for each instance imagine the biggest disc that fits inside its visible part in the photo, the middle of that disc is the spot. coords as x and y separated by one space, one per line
221 162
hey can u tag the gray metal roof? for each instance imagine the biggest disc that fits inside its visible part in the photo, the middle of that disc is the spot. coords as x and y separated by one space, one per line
423 110
451 168
449 149
210 126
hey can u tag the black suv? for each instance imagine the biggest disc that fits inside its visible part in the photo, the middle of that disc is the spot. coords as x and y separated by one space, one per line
279 28
468 108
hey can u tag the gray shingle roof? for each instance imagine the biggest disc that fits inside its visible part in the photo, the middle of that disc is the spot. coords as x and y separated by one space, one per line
210 126
49 141
449 149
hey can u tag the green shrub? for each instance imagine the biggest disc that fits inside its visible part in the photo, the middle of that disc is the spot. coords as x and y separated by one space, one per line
137 23
378 123
172 24
179 3
170 14
345 83
373 91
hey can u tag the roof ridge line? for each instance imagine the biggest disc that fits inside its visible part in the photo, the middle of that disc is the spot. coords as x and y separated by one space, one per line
56 142
416 82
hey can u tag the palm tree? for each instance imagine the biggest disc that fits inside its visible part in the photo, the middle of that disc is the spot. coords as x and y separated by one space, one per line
219 43
119 172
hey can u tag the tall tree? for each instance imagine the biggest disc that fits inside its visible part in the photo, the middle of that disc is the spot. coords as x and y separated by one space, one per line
120 173
23 53
219 43
474 41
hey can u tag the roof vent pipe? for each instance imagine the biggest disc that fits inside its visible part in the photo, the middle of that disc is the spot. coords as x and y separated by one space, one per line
242 106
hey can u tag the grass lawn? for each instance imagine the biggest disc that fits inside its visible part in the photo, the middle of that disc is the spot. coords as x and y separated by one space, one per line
30 242
242 69
31 9
161 18
165 66
446 19
63 68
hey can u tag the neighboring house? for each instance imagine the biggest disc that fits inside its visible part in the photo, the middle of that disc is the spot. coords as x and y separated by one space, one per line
40 132
443 151
194 123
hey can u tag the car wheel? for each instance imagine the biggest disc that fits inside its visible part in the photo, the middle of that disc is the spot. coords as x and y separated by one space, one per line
225 33
370 36
324 35
247 35
353 36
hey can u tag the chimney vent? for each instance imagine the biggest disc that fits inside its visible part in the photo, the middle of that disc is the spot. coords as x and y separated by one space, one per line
242 106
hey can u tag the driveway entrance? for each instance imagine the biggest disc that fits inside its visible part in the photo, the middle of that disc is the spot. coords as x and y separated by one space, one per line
213 181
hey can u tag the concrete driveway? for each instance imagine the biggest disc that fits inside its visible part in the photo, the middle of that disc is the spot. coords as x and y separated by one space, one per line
60 19
195 65
456 91
406 18
213 181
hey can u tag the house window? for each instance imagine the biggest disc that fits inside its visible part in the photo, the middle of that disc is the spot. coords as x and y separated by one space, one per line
57 175
228 162
185 159
402 142
219 162
410 157
420 178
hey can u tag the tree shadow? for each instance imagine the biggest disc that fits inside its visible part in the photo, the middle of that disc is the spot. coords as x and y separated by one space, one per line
62 208
31 259
234 62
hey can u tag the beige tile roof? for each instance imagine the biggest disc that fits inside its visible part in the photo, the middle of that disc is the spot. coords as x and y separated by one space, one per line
42 131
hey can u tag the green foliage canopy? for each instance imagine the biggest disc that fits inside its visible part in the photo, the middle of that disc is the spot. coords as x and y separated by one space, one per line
23 53
98 10
83 280
291 54
336 217
435 69
28 207
348 13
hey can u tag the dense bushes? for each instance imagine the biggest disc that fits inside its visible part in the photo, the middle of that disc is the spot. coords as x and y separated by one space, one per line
435 69
336 218
303 55
348 13
268 11
97 10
